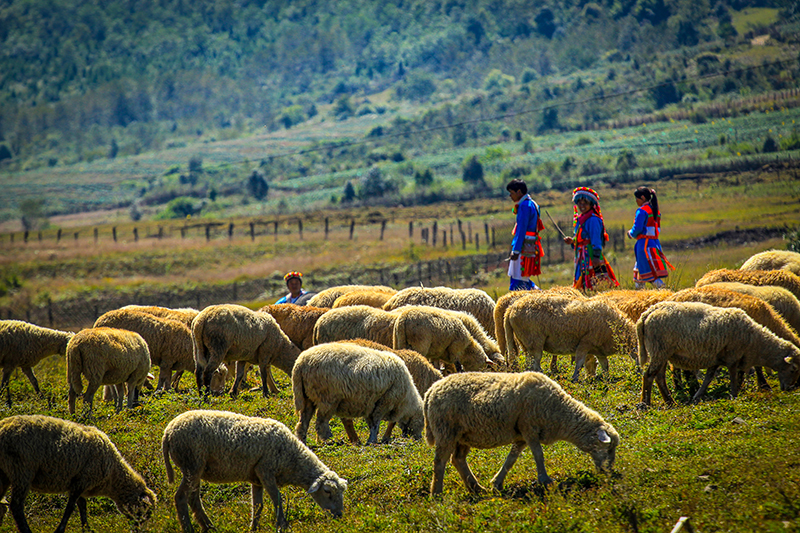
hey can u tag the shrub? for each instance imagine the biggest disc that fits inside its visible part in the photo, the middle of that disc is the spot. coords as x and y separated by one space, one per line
257 186
180 207
472 171
423 177
769 145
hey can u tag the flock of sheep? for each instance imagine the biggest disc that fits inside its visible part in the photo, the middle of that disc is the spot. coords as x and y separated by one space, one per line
435 359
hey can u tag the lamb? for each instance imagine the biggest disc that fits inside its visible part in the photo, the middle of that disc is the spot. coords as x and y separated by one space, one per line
297 321
783 301
487 410
258 450
371 298
694 336
473 301
355 322
23 345
633 303
349 381
169 341
106 356
229 332
780 278
50 455
565 325
328 296
438 335
774 260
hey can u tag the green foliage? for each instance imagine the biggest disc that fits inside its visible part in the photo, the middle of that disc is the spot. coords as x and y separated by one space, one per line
343 108
417 86
626 161
180 207
472 171
5 153
33 216
349 193
497 80
792 239
292 115
195 164
423 177
769 145
257 186
374 185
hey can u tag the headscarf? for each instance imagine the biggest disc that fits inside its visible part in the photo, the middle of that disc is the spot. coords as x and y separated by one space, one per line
588 194
293 274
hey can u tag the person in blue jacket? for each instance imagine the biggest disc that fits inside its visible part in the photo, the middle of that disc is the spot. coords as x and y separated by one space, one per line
651 264
294 282
526 246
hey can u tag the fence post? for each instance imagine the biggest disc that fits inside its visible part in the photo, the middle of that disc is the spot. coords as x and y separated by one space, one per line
492 237
58 236
410 229
230 231
444 238
463 241
469 231
76 236
183 233
25 237
435 232
160 232
477 242
486 231
352 227
50 311
208 232
326 228
300 227
383 228
252 231
40 236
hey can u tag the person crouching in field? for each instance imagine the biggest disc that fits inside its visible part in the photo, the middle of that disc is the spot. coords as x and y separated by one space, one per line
651 265
526 246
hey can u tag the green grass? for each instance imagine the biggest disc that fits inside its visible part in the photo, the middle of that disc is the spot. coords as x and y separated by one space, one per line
754 17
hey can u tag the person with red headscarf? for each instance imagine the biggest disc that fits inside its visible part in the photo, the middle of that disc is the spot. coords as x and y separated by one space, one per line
588 239
294 282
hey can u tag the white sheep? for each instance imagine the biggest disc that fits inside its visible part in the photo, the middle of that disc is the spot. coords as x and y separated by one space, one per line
23 345
774 260
633 302
351 381
487 410
783 301
223 447
372 298
355 322
565 325
228 332
183 314
473 301
438 335
779 278
695 336
50 455
169 341
325 298
106 356
297 321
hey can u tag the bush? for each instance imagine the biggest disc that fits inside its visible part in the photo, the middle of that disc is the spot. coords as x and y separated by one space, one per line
769 145
257 186
180 207
472 171
423 177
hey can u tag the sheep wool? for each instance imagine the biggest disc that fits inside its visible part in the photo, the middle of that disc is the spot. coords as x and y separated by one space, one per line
371 298
633 303
783 301
106 356
50 455
774 260
473 301
487 410
224 447
327 297
185 314
355 322
228 333
695 336
23 345
351 381
297 321
779 278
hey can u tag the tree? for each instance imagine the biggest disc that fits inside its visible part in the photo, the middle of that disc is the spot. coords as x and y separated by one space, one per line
769 145
33 216
374 184
472 171
5 153
113 150
626 161
423 178
257 186
349 192
545 23
549 120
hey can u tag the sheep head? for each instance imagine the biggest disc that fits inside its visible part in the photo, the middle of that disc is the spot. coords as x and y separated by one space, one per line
328 491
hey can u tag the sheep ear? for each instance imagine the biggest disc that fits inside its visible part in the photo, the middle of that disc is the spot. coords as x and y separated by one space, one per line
316 485
788 360
603 437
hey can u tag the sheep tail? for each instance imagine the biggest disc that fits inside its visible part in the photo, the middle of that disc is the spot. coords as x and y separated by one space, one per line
167 462
298 392
74 368
198 347
428 432
643 355
511 345
399 334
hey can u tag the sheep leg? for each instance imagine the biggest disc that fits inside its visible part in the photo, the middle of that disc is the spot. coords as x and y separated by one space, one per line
164 379
736 382
661 381
591 366
82 512
351 431
4 385
176 379
17 505
267 383
4 484
71 501
387 435
28 371
710 372
257 505
580 356
554 364
440 458
513 455
324 414
197 506
241 370
647 383
133 395
271 486
198 377
88 397
762 381
532 439
181 504
301 429
459 460
603 364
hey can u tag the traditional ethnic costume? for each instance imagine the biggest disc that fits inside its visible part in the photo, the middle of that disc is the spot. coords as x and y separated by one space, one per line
527 244
288 298
651 264
589 238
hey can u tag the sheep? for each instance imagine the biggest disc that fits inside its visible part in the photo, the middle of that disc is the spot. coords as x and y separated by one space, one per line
694 336
473 301
23 345
297 321
780 278
783 301
326 297
224 447
505 301
633 303
355 322
423 373
565 325
371 298
229 332
184 314
169 341
774 260
489 345
51 455
347 380
438 334
106 356
487 410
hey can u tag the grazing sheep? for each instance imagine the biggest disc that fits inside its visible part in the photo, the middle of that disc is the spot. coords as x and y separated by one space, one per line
438 335
297 321
694 336
355 322
774 260
23 345
223 447
489 345
229 332
783 301
349 381
505 301
50 455
106 356
327 297
633 303
473 301
565 325
422 372
169 341
184 314
487 410
371 298
779 278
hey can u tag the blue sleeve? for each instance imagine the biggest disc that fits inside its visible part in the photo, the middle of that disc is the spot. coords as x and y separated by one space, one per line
594 227
524 213
639 223
282 300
